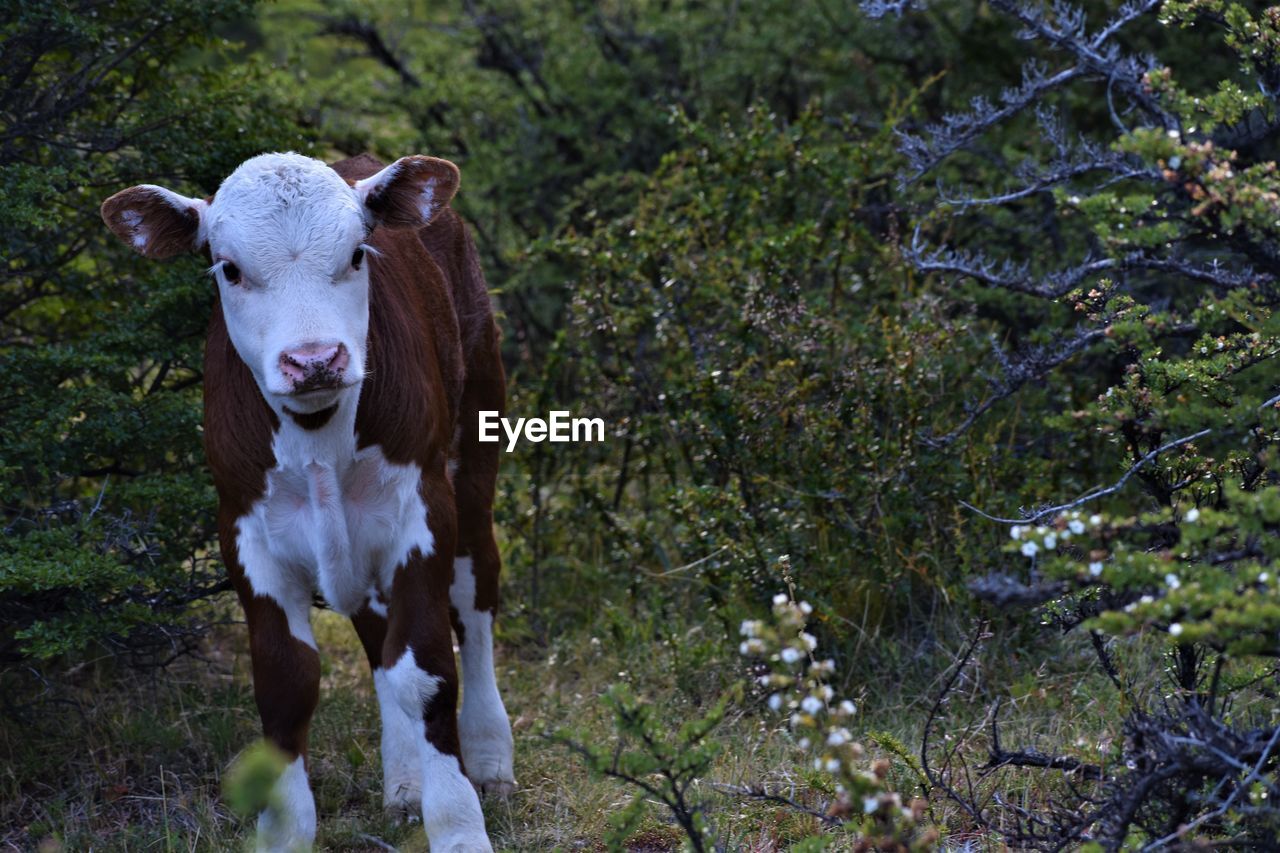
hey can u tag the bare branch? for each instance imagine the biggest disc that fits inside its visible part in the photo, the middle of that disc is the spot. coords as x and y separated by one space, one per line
1049 512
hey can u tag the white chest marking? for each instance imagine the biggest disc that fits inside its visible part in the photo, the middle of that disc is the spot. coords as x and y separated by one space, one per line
339 529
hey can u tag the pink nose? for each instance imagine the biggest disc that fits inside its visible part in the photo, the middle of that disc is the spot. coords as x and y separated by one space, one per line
314 366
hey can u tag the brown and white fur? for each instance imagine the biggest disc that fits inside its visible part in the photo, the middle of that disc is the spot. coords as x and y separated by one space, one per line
349 353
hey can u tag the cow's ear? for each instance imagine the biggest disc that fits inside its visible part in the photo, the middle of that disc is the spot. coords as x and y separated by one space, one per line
154 221
410 192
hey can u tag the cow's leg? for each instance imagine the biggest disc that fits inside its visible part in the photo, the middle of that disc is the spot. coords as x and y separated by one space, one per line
483 725
422 677
401 764
485 730
286 682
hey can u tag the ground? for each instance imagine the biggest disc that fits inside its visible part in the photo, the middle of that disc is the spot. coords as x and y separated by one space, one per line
120 760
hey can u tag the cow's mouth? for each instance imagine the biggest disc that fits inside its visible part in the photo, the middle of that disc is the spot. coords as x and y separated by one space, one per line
310 396
311 420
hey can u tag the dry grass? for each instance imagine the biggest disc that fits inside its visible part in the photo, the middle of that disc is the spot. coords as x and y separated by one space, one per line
116 760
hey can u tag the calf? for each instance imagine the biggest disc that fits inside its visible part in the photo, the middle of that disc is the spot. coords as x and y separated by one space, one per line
351 348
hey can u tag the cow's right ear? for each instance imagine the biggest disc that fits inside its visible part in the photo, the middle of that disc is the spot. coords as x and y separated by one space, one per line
154 221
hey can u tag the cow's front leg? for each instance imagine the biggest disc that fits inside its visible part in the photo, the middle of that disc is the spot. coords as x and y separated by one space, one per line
401 765
422 676
286 685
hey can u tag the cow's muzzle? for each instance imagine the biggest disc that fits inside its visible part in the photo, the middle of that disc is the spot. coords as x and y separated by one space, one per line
314 367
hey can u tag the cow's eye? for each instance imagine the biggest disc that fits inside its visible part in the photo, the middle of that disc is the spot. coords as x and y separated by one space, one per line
231 271
357 258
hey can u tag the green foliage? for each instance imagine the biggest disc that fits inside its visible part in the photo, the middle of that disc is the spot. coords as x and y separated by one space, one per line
1191 410
662 764
777 381
541 103
1163 228
247 787
107 509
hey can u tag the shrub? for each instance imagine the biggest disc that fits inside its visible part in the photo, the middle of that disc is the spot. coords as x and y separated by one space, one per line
1148 184
107 509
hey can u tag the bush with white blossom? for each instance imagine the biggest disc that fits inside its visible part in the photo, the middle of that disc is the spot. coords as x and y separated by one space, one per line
1199 575
820 721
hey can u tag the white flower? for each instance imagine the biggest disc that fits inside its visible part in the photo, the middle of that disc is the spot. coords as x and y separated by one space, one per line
833 765
811 705
1192 515
810 641
791 655
1146 599
749 627
848 708
1263 577
806 608
870 804
838 737
1171 581
1029 549
1095 520
822 667
817 763
753 646
1095 568
1076 526
826 693
1175 629
803 743
1015 532
1050 542
780 599
775 702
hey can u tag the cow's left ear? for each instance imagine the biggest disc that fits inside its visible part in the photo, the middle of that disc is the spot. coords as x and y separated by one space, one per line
410 192
154 221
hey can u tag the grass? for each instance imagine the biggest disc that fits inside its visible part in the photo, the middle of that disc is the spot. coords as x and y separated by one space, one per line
112 759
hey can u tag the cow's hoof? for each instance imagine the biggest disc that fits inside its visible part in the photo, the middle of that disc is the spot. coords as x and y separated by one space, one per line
478 844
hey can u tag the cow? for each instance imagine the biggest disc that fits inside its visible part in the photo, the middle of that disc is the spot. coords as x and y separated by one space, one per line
351 347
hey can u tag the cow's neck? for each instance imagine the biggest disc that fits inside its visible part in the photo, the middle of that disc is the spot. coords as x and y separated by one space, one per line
326 440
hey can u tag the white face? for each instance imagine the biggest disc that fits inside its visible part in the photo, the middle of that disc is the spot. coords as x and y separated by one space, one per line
285 232
286 235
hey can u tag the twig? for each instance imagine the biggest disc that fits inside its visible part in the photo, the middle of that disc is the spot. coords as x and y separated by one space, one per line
1222 809
936 779
1096 493
759 792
